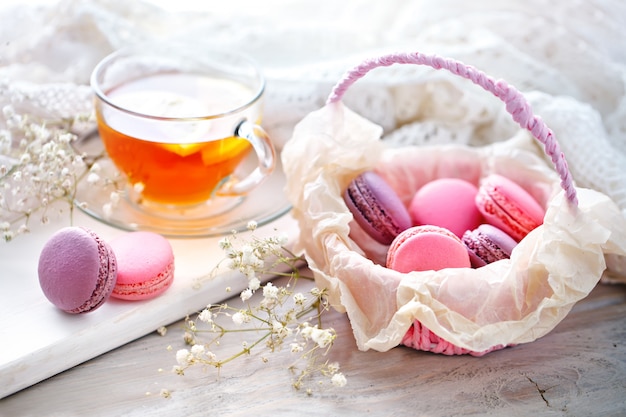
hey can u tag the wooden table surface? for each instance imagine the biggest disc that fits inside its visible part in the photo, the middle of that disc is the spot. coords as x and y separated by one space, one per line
579 369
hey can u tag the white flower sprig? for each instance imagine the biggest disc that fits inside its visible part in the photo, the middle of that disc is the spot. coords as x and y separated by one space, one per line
282 317
39 170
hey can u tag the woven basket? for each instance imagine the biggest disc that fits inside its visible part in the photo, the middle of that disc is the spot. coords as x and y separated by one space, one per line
457 310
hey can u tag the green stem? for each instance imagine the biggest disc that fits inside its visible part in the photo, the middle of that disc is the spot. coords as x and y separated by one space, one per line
243 351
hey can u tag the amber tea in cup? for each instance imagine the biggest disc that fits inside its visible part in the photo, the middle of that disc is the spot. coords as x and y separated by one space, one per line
178 122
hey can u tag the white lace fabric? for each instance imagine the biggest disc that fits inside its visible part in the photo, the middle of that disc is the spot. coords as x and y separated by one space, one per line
568 56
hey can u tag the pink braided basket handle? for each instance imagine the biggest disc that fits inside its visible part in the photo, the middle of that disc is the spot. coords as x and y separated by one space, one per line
516 103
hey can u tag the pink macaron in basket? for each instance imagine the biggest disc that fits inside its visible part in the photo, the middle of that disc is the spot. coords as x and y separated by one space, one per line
526 244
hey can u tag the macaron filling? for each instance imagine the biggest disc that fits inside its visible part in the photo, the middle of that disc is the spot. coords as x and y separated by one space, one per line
487 244
498 208
485 249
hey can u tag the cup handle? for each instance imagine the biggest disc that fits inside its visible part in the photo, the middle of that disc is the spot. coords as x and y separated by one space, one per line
266 155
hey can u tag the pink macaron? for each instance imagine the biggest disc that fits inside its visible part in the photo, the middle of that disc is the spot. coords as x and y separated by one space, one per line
487 244
423 248
448 203
508 206
77 270
145 265
376 207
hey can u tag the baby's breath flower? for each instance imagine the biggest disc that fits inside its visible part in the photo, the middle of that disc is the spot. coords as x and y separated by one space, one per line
205 315
270 296
183 357
281 317
306 330
296 347
38 169
211 358
291 317
248 257
283 239
249 272
225 243
323 337
189 338
299 299
270 291
192 325
338 380
332 368
241 317
8 235
65 138
246 294
254 284
197 350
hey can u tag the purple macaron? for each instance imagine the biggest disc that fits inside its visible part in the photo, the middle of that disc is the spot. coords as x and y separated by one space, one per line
77 270
376 207
487 244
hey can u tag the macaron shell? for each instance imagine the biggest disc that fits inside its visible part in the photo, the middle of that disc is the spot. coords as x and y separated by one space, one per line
145 266
506 205
446 202
77 270
376 207
423 248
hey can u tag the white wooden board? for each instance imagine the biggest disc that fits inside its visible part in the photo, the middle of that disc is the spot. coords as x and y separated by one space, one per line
37 340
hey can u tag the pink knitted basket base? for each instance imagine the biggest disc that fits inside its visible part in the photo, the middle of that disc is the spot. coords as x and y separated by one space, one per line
420 338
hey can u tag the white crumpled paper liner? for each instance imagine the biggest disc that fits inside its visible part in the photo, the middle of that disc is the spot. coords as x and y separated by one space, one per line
507 302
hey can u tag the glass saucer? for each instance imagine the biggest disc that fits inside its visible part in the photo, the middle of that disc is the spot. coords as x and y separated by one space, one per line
264 204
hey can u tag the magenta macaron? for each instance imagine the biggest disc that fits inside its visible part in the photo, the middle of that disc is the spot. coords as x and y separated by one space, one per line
77 270
487 244
424 248
446 202
376 207
508 206
145 262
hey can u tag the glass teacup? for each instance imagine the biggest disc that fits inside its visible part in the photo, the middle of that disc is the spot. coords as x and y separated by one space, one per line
179 121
